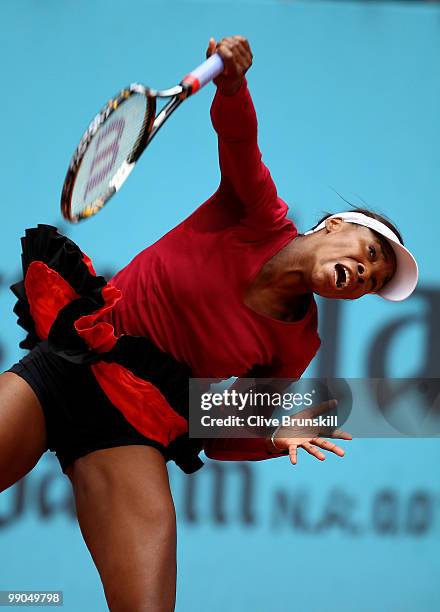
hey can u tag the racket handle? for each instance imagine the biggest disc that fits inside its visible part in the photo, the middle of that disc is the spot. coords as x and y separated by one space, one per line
204 73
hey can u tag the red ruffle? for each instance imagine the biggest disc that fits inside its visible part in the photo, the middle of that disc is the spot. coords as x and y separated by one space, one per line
99 336
86 259
47 293
142 404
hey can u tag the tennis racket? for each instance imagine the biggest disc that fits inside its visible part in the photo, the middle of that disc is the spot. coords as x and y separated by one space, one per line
117 137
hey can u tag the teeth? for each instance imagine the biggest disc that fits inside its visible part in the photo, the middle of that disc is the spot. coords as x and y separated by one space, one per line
342 284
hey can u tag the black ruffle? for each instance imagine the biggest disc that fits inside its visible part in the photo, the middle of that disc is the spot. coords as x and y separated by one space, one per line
44 243
63 338
138 354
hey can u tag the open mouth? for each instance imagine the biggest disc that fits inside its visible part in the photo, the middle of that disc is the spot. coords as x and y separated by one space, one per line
342 276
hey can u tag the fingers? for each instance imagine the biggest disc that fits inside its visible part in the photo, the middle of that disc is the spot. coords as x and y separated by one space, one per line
293 452
242 48
307 446
227 56
211 47
313 447
341 435
239 43
236 55
327 445
319 409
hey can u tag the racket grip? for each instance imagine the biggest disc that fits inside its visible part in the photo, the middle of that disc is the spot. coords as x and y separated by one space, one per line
204 73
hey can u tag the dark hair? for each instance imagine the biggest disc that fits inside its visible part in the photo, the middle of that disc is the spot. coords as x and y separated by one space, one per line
368 213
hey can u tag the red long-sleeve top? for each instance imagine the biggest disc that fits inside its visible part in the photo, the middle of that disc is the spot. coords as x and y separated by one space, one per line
186 291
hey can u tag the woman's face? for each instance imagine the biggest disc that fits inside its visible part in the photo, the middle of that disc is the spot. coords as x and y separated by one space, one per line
350 261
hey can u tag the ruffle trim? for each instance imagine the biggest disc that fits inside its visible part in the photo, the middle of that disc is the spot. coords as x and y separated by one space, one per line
62 299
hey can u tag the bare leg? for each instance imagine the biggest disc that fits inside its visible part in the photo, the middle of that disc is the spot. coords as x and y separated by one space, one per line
126 514
22 429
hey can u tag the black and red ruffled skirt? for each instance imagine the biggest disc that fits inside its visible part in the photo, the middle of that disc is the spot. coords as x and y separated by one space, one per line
61 300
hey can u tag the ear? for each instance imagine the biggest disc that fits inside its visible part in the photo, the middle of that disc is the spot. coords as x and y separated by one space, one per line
335 224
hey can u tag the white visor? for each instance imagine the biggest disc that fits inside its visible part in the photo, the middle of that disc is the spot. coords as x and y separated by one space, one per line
404 279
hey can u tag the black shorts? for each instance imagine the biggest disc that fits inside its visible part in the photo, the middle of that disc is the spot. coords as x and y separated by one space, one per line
79 416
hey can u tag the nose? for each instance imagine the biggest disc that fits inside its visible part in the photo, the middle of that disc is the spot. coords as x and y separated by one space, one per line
361 274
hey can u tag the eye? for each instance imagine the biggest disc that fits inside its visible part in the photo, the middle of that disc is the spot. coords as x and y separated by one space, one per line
372 251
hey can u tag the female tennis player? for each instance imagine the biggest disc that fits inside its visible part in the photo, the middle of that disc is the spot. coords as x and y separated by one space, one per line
228 292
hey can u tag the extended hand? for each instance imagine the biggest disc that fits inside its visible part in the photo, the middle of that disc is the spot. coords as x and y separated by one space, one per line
292 437
237 58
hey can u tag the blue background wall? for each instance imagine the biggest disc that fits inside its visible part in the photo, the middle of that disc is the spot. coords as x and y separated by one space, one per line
347 96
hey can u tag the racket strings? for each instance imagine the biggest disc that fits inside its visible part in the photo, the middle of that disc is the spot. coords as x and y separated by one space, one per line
111 145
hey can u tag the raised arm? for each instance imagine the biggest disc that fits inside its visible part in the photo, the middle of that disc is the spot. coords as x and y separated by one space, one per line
244 175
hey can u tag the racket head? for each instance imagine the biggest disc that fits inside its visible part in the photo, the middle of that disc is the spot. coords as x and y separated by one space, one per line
108 151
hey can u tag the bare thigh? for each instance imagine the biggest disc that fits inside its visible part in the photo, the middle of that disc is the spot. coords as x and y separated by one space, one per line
22 429
126 515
